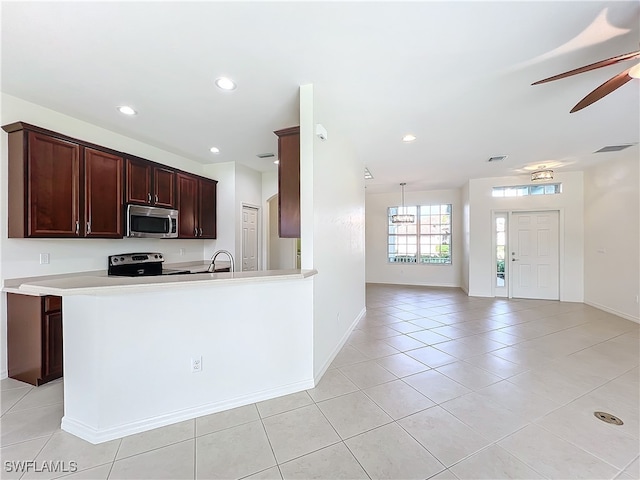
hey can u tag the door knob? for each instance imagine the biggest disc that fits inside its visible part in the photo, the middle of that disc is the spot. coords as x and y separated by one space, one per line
514 259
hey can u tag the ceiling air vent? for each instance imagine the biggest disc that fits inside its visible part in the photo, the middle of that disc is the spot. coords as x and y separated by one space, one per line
613 148
497 158
265 155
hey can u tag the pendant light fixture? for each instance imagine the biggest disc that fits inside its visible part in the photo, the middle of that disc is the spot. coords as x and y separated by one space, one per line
402 216
542 174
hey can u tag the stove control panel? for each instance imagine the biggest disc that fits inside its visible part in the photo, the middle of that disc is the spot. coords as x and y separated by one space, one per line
135 258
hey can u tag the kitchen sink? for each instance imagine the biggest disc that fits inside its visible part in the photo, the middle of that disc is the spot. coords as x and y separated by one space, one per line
193 272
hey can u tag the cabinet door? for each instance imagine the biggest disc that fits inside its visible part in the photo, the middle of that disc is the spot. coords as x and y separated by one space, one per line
53 187
289 183
138 182
164 187
52 346
103 194
187 206
207 208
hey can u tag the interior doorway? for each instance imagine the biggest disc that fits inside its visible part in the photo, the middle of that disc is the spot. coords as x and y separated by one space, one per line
250 238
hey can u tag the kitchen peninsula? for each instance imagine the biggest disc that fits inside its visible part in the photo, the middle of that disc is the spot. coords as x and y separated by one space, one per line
143 352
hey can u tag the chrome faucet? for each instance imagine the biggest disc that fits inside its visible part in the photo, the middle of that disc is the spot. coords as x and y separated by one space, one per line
212 267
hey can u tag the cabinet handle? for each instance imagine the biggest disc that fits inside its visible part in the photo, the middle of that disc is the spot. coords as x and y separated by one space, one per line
88 228
200 231
195 232
156 198
148 198
77 227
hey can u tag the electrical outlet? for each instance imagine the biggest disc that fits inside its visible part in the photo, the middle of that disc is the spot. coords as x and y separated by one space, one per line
196 364
637 298
44 259
182 251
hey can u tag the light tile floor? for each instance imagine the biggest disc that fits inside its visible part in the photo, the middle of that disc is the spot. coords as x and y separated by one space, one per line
431 384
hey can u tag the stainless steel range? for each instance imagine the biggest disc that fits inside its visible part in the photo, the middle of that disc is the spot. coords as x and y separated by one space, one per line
139 265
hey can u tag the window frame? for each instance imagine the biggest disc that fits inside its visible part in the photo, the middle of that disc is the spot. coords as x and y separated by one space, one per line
525 190
420 235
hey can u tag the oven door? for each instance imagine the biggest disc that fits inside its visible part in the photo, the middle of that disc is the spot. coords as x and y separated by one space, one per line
151 222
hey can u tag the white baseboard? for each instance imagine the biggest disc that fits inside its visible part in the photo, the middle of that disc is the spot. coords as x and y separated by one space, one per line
435 285
613 311
318 375
95 436
4 374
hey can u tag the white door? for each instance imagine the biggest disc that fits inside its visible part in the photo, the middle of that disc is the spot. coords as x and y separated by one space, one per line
249 239
534 258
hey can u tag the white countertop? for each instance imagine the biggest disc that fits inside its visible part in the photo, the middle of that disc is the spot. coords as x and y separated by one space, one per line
99 283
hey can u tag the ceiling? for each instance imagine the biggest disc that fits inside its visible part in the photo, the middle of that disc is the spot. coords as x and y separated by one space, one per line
455 74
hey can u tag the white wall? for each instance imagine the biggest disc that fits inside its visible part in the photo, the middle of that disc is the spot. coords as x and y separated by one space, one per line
254 339
379 270
466 240
269 189
248 192
237 185
612 238
20 257
332 225
570 203
281 251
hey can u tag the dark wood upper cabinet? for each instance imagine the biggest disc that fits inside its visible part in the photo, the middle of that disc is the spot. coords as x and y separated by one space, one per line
187 206
51 180
289 182
207 207
138 181
103 194
164 181
196 206
150 184
61 188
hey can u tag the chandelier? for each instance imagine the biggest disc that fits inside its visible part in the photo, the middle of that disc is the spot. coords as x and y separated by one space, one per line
542 174
402 216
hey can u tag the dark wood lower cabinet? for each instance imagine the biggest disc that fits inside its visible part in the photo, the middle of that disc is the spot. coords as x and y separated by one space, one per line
34 338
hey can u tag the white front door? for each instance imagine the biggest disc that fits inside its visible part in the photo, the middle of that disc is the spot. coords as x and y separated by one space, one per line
249 239
534 257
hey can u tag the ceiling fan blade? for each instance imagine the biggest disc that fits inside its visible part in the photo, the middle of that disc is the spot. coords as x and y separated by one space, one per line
593 66
605 89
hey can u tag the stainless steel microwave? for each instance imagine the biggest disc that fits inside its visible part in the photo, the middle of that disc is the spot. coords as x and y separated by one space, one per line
151 222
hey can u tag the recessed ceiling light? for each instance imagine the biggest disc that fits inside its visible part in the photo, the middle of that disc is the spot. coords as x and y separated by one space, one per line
214 150
277 162
225 83
126 110
408 138
265 155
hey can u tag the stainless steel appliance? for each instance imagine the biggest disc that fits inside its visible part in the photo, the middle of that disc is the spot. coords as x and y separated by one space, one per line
139 265
151 222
